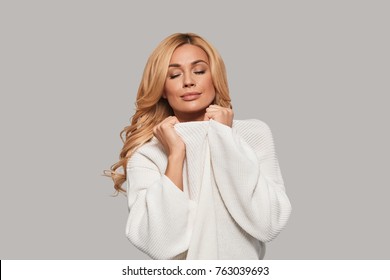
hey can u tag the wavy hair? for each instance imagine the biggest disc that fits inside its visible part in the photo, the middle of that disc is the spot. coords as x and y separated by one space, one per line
151 108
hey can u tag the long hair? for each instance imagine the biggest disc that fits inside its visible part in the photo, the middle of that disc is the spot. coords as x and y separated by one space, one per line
151 108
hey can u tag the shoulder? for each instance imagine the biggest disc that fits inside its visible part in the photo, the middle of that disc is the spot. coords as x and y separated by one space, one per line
251 127
257 134
152 145
150 155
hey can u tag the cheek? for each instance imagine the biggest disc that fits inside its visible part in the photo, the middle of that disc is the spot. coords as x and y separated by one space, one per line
167 90
210 86
171 88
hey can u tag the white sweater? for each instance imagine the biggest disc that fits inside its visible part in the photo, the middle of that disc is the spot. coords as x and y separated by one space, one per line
233 197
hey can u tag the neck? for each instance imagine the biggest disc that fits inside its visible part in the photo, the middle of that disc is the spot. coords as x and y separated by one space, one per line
190 117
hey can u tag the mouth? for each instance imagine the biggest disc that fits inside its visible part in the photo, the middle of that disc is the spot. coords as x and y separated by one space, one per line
189 96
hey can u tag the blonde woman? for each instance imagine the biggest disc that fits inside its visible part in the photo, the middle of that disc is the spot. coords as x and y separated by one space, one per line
199 184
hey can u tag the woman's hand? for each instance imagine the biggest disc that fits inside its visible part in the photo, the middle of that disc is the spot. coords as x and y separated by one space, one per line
168 137
174 148
220 114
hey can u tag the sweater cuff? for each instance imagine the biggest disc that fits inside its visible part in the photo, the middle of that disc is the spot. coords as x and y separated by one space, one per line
221 129
182 198
168 184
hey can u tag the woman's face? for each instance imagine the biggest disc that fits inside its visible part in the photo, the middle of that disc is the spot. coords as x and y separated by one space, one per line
188 87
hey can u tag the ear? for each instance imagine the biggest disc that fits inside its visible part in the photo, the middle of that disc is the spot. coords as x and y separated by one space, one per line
164 95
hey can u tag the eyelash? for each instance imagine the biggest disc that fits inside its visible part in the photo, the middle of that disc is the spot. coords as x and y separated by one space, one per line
174 76
196 73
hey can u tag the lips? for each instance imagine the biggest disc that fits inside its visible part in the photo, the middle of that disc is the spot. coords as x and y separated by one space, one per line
189 96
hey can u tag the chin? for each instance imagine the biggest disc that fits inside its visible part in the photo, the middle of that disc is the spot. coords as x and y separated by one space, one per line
194 109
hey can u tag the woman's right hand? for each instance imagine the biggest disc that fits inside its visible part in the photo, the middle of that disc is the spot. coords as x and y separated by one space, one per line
168 137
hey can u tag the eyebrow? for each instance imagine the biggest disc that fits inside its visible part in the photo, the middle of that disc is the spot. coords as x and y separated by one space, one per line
192 63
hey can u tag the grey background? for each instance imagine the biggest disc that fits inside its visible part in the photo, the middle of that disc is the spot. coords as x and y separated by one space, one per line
316 71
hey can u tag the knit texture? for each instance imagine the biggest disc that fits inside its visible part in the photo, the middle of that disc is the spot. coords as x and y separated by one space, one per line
233 198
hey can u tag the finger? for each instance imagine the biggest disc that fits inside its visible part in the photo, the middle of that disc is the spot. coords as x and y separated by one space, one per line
210 115
215 113
223 112
213 110
215 106
175 120
167 119
167 122
166 125
217 109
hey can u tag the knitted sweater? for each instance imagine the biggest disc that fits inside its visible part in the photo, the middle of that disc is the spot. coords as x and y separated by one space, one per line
233 198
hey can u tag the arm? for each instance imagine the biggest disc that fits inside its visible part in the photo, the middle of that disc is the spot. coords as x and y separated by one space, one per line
174 148
161 215
247 174
174 170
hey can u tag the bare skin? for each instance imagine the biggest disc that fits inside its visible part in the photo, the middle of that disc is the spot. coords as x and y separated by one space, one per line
174 148
219 114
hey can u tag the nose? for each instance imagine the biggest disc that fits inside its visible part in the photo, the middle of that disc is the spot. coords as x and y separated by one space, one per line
188 81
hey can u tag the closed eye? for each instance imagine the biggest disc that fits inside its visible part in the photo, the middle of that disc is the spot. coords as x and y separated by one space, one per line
174 76
200 72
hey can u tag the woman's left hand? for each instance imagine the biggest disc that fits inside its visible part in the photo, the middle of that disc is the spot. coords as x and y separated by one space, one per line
220 114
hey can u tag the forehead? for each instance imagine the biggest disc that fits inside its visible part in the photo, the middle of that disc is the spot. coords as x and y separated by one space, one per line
187 53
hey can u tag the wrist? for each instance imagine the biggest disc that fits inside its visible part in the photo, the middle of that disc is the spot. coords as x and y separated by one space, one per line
177 156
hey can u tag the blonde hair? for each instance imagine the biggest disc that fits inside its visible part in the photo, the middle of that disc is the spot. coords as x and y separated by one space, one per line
151 108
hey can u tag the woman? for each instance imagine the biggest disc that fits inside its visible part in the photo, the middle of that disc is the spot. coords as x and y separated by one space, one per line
199 185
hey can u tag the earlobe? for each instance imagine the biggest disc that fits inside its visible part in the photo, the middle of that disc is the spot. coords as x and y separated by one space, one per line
164 95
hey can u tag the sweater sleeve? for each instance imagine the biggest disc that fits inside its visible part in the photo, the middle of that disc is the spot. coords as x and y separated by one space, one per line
161 216
248 177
